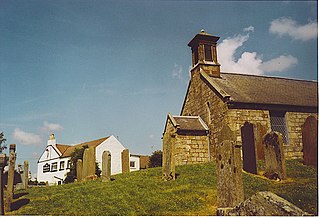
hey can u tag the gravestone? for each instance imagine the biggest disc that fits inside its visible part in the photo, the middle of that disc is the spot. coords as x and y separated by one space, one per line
125 161
274 156
310 141
25 175
3 162
260 132
79 170
89 164
168 162
228 170
106 166
10 187
248 148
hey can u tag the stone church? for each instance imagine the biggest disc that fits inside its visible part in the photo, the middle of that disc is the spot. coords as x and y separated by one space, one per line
219 98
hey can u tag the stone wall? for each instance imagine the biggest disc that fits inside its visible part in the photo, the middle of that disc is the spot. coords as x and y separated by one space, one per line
295 121
191 149
200 101
237 117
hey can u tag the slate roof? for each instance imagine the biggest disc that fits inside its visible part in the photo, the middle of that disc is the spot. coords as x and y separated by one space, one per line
66 150
188 123
264 90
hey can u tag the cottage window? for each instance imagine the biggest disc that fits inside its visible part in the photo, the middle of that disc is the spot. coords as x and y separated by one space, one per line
278 124
68 164
132 164
61 165
54 167
46 168
208 53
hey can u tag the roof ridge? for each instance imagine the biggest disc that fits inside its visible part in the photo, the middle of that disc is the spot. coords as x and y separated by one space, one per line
92 141
272 77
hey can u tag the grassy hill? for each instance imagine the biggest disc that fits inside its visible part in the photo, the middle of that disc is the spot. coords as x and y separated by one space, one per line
144 193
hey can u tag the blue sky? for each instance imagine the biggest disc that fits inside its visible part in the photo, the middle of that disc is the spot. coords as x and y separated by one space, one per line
88 69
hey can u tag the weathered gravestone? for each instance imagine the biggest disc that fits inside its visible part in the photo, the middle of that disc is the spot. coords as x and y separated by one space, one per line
79 170
228 170
3 162
89 164
125 161
249 148
310 141
274 156
25 175
10 187
106 166
168 161
260 132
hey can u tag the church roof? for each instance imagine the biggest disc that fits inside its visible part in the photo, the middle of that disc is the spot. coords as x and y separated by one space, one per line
248 89
66 150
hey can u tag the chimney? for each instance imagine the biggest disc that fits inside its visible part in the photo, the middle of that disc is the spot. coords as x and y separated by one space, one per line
204 54
52 140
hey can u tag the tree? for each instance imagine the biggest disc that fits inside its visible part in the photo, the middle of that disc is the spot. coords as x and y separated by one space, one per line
3 146
156 159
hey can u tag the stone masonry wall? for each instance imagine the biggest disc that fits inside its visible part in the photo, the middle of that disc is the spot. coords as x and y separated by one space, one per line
237 117
191 149
200 100
294 122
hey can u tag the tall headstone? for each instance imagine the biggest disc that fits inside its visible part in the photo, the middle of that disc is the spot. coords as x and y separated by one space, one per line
310 141
274 156
12 162
89 163
25 175
260 132
168 161
106 166
248 148
3 162
79 170
125 161
228 170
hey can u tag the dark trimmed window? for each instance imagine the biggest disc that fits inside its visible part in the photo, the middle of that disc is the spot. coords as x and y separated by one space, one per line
132 164
68 164
54 166
46 168
279 124
208 53
61 165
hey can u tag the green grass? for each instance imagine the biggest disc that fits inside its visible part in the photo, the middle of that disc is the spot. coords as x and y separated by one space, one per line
144 193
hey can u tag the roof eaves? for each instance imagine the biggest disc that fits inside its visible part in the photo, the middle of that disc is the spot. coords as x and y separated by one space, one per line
214 85
203 123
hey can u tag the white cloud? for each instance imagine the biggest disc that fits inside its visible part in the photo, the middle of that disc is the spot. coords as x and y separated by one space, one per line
249 62
26 138
279 64
249 29
286 26
177 72
51 127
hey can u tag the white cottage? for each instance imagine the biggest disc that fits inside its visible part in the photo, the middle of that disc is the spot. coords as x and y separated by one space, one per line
54 163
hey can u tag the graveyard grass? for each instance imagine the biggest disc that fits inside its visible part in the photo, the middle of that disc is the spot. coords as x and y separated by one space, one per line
144 193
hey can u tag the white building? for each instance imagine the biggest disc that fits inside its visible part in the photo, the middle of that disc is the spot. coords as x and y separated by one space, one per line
54 163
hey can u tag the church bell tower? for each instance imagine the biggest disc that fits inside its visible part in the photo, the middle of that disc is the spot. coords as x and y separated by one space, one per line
204 54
